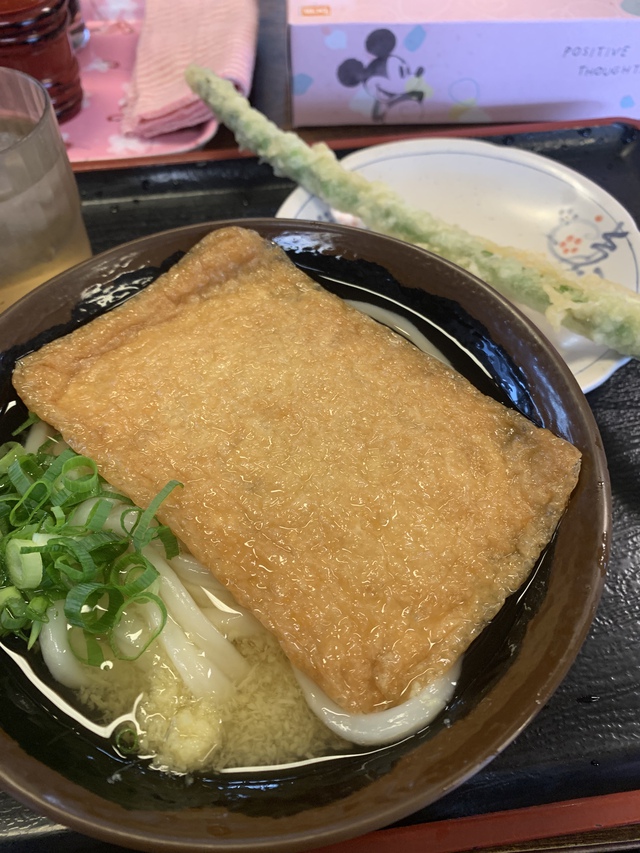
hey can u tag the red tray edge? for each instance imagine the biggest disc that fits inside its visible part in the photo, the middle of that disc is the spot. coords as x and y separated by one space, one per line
496 829
226 149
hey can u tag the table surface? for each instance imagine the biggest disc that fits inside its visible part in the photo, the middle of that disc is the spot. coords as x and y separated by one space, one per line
586 741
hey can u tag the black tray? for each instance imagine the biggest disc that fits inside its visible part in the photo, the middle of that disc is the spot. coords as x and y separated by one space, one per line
586 740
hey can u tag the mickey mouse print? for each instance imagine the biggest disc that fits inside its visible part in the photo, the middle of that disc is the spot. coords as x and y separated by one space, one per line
387 77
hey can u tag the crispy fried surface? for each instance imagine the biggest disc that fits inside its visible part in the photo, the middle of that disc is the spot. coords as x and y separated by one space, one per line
367 503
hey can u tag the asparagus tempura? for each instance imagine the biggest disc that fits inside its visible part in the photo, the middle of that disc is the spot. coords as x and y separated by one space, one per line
601 310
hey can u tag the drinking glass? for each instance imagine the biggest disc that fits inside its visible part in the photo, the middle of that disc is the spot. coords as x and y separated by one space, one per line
41 228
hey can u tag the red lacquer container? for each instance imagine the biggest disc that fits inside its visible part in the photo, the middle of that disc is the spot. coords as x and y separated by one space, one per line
34 38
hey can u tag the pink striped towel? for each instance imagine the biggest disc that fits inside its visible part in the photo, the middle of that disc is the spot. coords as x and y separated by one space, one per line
217 34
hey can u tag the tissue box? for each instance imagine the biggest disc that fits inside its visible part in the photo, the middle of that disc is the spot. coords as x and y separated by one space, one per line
375 62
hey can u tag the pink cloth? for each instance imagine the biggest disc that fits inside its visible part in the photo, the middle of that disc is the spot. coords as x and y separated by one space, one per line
218 34
107 64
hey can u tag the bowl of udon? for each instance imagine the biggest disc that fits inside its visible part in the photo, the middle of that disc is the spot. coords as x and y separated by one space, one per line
297 771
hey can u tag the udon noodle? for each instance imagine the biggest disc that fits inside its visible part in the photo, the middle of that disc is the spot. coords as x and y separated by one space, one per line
214 690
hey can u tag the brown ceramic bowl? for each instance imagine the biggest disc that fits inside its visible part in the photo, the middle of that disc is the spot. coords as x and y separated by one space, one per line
510 671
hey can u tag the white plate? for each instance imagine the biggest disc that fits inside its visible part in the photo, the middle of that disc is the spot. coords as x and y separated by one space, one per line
515 198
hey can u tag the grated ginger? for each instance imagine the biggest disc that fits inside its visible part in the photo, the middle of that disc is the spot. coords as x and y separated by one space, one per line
265 722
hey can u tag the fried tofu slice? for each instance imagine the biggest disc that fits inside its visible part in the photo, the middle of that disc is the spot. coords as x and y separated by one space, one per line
366 502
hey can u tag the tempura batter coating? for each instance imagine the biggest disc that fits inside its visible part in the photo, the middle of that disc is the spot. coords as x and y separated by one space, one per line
368 504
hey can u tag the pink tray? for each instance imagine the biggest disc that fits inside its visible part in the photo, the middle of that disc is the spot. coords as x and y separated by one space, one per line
106 64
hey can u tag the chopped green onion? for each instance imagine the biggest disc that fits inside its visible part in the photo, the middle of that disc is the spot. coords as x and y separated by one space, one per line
24 563
93 606
168 541
133 573
86 647
129 645
54 468
27 509
9 452
59 517
127 740
47 555
99 514
143 533
39 605
7 593
72 559
13 615
20 481
80 475
30 421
